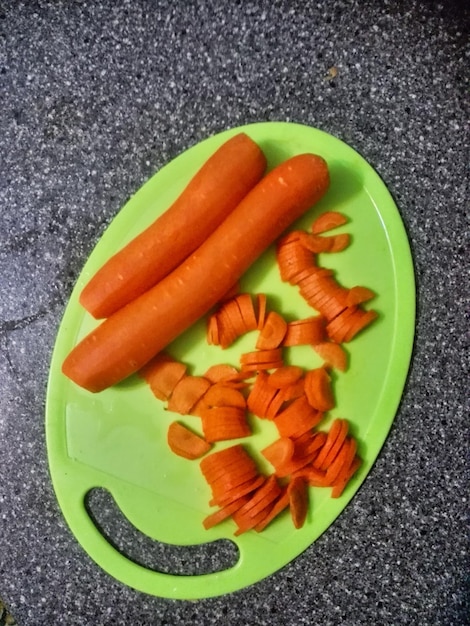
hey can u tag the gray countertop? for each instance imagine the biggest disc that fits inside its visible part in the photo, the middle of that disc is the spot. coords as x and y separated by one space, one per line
96 97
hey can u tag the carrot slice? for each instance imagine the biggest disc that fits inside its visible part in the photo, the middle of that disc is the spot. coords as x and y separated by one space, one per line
327 221
340 485
340 242
279 452
279 505
358 295
298 501
333 433
297 418
337 328
293 258
333 354
262 303
318 389
222 514
285 376
186 393
243 489
162 374
247 310
220 394
307 331
317 243
272 333
344 457
261 356
330 457
358 322
221 373
185 443
257 367
261 395
221 423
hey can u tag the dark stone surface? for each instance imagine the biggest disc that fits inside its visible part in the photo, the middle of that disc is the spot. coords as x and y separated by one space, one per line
94 98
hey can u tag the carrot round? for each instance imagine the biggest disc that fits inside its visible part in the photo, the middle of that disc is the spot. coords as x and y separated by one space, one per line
128 339
328 221
185 443
215 190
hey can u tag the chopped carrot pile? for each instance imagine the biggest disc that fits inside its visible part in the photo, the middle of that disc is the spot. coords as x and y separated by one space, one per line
296 400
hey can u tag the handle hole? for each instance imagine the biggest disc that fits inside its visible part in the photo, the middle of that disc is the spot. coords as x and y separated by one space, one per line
192 560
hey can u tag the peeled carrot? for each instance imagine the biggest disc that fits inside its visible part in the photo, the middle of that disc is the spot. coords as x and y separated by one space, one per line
128 339
285 376
221 372
297 418
327 221
310 330
221 423
220 394
217 188
185 443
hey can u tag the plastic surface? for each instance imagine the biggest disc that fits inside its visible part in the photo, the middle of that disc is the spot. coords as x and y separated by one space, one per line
117 439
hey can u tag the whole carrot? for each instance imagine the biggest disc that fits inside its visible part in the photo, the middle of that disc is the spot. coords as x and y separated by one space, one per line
128 339
215 190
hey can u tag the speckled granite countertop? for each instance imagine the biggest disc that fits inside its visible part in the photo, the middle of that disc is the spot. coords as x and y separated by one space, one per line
95 97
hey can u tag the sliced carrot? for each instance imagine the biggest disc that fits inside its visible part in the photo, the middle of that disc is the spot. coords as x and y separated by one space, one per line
222 514
360 320
248 522
247 310
220 394
272 333
317 243
358 295
185 443
293 259
327 221
222 458
314 477
261 394
333 354
330 457
186 393
340 242
337 328
162 374
318 389
261 356
298 501
333 433
297 418
344 457
242 489
295 390
221 373
280 505
212 333
279 452
276 404
262 303
258 367
285 376
259 499
233 312
340 485
224 422
307 331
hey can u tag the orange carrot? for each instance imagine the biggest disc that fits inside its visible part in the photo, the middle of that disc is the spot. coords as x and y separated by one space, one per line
360 320
240 490
262 302
310 330
280 504
272 333
261 395
340 242
333 354
285 376
212 194
186 393
298 501
221 373
318 389
185 443
221 423
337 328
327 221
297 418
293 258
220 394
336 446
279 452
128 339
247 310
163 373
316 243
261 356
358 295
342 481
335 430
221 514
